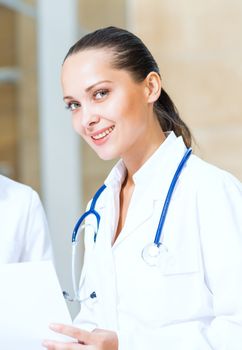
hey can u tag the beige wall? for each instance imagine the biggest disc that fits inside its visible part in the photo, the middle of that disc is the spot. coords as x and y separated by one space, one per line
8 130
19 154
199 49
28 134
95 13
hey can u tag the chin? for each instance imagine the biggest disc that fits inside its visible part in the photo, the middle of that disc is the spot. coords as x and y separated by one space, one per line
107 156
106 153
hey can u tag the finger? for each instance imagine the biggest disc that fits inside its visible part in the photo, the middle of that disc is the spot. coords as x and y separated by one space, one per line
74 332
56 345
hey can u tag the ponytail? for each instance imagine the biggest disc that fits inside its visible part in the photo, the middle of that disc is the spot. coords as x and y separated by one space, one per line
169 118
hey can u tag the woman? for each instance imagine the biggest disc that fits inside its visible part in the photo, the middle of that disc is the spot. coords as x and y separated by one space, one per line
188 296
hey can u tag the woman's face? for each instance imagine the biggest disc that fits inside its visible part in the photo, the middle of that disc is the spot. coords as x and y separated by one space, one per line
109 109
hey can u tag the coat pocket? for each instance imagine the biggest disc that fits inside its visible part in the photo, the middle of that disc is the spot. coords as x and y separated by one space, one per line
181 262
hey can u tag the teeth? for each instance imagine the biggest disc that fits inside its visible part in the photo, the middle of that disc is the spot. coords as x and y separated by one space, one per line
102 134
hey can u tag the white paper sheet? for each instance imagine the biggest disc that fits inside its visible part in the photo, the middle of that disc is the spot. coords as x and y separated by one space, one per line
30 299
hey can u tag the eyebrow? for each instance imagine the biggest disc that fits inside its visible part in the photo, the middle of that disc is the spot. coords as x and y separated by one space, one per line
89 88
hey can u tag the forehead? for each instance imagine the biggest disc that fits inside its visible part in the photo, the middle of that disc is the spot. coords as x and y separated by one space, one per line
86 67
86 62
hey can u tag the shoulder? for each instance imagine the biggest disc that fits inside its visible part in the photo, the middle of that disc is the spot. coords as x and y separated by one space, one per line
208 179
9 186
217 195
17 194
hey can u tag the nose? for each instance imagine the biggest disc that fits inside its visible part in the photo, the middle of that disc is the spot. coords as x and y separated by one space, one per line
89 117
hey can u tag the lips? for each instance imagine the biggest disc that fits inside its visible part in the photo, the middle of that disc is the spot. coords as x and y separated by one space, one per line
102 134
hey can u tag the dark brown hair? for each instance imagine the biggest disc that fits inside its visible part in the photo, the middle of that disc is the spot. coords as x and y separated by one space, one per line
130 54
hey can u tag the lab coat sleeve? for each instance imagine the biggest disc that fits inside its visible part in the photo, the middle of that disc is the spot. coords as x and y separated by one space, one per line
220 216
36 245
219 212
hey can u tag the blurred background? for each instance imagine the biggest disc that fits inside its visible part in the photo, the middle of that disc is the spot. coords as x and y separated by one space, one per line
198 47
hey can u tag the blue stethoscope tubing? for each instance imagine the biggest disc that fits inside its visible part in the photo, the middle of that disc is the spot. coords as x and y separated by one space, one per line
75 234
92 211
169 195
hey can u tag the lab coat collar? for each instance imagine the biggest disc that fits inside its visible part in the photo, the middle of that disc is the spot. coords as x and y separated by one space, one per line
147 169
118 172
152 181
164 161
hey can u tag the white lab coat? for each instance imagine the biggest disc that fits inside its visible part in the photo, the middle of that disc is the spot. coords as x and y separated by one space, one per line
193 300
24 233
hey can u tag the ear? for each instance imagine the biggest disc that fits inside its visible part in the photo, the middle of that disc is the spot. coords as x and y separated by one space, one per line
152 87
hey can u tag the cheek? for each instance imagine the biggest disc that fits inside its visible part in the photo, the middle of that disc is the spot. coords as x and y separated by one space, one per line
134 116
133 106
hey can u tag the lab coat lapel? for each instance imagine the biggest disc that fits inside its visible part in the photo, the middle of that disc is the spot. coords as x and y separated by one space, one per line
140 210
152 188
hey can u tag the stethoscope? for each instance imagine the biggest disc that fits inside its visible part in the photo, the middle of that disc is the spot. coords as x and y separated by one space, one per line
150 253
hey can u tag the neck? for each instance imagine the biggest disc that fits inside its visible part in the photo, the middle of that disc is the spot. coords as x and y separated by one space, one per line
134 160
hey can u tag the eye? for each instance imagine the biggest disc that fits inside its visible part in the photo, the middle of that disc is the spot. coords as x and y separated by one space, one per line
72 106
100 94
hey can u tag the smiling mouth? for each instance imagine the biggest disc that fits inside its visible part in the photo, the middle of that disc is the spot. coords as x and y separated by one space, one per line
103 134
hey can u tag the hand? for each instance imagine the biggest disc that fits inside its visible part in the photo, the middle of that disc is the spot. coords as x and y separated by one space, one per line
99 339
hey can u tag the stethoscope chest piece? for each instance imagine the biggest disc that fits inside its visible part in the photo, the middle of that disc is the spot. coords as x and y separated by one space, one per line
153 253
158 256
